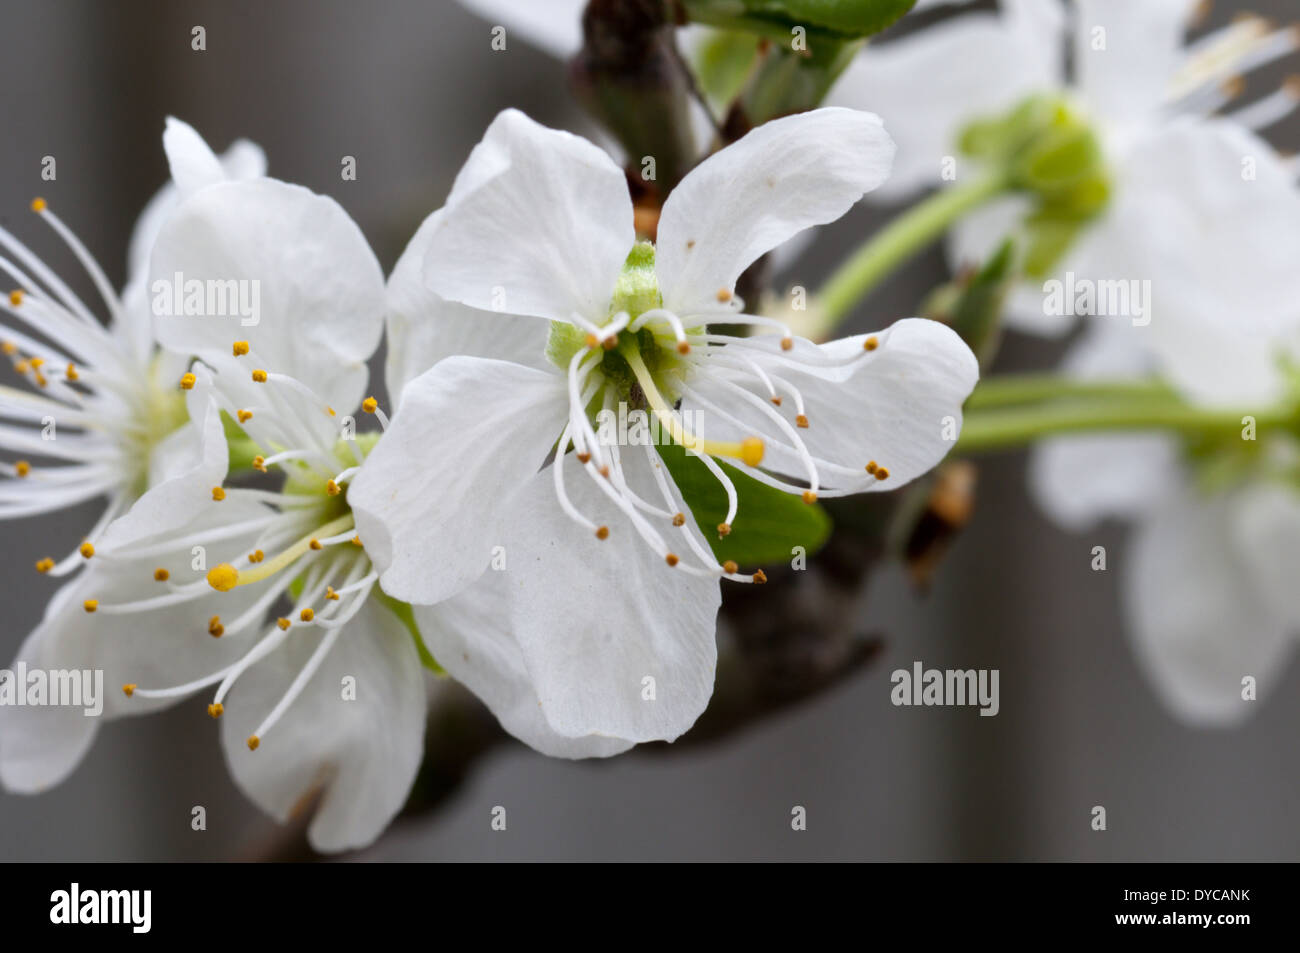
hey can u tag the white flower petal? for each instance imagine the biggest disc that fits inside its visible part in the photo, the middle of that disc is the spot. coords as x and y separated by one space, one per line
1219 251
1267 534
193 163
1126 54
783 177
363 751
1080 480
160 648
423 328
554 26
538 223
186 465
434 494
591 620
932 83
1197 624
319 288
469 635
900 407
243 160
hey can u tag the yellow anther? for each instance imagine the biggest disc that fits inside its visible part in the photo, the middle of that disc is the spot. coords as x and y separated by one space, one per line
871 343
315 544
239 348
610 342
216 631
188 381
760 576
216 709
370 405
330 411
161 575
683 347
38 204
90 605
751 451
584 458
872 467
71 372
777 401
22 367
801 421
724 529
256 556
679 519
882 473
129 689
283 623
244 416
40 379
218 494
602 532
223 578
356 540
87 549
604 471
307 614
332 488
253 742
787 343
15 297
809 496
671 559
44 565
724 295
259 463
591 340
9 347
331 594
730 568
259 376
22 468
37 363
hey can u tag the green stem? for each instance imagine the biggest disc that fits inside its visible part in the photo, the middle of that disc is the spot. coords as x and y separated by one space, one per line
1010 428
1012 389
897 242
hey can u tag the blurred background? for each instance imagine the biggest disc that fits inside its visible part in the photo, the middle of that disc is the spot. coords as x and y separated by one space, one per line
407 87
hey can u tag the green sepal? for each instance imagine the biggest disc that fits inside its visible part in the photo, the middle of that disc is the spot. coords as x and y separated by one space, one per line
406 615
769 522
850 19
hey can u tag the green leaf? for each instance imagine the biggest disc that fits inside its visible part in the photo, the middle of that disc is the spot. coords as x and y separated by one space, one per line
848 19
722 64
977 314
769 523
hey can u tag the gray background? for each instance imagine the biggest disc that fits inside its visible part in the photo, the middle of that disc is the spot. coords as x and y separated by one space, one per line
407 87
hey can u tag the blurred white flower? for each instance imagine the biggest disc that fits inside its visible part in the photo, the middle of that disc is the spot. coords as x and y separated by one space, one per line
1208 586
104 407
329 697
539 228
1211 245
